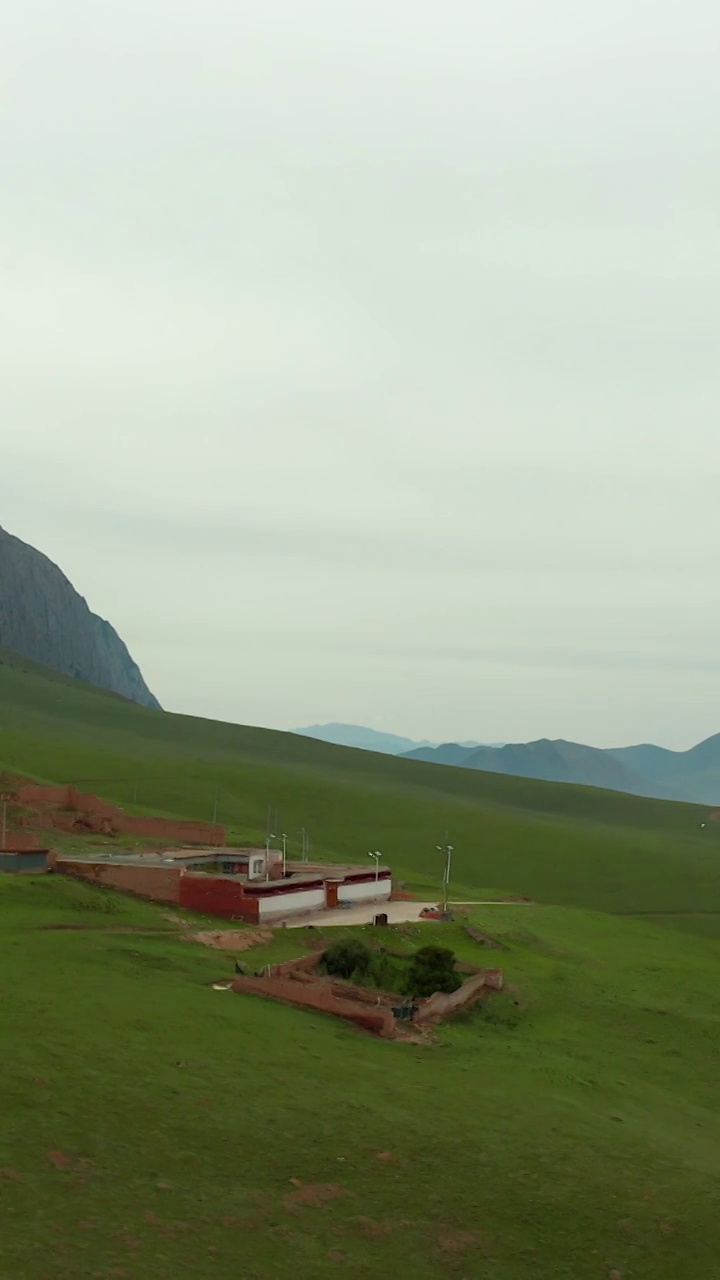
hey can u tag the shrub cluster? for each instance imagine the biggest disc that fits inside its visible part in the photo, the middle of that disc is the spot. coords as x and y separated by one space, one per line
430 969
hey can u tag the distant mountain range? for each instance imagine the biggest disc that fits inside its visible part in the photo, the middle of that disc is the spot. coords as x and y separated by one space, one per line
357 735
644 770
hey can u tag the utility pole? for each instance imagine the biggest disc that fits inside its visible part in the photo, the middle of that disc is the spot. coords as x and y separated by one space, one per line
284 840
448 851
215 803
267 856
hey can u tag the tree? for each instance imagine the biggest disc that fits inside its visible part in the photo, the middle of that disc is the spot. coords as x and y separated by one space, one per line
432 969
345 958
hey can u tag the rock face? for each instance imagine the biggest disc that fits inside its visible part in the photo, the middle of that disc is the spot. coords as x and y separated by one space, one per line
43 618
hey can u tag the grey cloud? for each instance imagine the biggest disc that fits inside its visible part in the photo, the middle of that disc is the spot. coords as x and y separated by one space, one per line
558 659
393 322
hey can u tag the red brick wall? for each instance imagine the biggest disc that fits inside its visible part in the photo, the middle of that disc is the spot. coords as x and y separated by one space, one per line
441 1004
303 964
319 996
19 842
161 884
217 897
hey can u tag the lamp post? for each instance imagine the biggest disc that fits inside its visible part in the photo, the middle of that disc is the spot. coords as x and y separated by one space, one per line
267 856
284 840
448 851
377 856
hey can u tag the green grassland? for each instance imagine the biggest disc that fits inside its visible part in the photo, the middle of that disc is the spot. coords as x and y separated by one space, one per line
561 844
152 1126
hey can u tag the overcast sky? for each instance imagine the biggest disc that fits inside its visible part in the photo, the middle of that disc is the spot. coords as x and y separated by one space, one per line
360 358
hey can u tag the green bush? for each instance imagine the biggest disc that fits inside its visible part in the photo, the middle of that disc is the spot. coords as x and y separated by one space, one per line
348 958
432 969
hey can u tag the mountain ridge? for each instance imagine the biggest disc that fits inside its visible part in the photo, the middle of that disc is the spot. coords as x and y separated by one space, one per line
43 618
644 770
365 739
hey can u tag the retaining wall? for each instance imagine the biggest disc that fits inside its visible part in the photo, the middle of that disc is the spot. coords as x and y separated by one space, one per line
160 884
303 964
441 1004
318 996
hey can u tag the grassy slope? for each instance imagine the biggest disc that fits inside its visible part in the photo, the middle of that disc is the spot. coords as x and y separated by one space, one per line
152 1126
560 844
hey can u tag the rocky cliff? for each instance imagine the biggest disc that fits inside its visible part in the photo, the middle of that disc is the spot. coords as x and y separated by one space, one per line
43 617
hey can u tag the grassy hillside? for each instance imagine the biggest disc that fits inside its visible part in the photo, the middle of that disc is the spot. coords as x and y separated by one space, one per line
153 1126
561 844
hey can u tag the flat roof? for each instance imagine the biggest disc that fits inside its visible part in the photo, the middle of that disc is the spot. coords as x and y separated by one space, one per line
301 872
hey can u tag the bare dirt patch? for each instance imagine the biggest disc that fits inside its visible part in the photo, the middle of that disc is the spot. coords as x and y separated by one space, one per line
314 1195
233 939
460 1241
59 1160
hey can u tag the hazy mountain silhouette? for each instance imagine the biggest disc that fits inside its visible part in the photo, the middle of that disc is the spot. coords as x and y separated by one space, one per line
644 770
358 735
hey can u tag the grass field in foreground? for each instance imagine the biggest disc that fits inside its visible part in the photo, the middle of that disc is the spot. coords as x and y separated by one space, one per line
563 844
152 1126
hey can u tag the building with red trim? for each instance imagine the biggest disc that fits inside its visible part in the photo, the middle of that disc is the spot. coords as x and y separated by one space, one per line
237 884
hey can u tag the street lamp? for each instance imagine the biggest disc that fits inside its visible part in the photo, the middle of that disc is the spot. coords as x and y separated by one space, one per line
267 855
377 856
448 851
284 840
